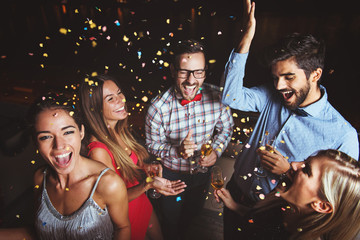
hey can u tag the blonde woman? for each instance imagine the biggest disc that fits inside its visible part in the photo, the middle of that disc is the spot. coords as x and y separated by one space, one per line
104 107
320 199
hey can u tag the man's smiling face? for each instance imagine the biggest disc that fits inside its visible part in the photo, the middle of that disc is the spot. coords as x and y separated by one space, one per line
189 86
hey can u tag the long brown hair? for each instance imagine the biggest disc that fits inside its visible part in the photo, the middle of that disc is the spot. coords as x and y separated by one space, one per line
91 95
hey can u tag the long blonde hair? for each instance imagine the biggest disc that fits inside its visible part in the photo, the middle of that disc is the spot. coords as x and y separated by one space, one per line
340 186
91 95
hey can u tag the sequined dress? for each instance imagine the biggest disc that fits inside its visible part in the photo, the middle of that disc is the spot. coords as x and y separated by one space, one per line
88 222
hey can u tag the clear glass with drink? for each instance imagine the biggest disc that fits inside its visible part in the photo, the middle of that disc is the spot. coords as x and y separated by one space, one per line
153 171
206 150
217 182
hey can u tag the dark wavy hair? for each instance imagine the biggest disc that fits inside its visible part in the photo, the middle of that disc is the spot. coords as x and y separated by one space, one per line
307 51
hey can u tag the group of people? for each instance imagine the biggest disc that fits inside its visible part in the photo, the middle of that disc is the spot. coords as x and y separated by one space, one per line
305 185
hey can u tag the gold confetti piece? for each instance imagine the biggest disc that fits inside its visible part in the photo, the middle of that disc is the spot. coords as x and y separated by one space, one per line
36 186
262 148
220 214
149 179
299 229
17 216
282 141
67 189
71 113
239 229
63 31
32 162
262 196
125 38
212 61
235 115
258 187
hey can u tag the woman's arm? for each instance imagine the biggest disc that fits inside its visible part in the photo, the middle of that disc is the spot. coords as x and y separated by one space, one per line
112 191
229 202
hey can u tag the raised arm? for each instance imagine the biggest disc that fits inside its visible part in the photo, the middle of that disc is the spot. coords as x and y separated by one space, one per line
234 93
249 27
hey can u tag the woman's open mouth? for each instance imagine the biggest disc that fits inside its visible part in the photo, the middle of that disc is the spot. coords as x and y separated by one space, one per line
63 160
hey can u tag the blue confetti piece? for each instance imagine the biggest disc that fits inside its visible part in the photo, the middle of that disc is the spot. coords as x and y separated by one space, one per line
178 199
85 28
44 223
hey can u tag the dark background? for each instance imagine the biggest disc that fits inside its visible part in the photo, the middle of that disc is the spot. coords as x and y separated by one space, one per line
27 24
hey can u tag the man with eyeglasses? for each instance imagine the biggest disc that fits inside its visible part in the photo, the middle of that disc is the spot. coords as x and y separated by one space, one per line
178 122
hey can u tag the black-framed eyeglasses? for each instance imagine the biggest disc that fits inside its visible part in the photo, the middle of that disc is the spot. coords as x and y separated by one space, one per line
184 74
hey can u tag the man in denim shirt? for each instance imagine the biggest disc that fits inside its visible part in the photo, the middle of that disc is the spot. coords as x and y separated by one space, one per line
296 118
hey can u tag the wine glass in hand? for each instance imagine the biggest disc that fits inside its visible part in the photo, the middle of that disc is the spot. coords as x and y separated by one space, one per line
153 171
206 150
268 145
217 182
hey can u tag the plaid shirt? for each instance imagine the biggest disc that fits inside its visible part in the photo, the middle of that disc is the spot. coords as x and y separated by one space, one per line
168 122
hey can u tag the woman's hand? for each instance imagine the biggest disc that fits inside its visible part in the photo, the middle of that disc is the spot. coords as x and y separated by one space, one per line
224 195
167 187
229 202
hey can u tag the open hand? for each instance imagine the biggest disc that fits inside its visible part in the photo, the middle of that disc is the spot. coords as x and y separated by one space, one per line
167 187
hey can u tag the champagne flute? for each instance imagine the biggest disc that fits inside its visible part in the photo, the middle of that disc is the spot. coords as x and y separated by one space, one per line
217 182
206 150
266 144
154 170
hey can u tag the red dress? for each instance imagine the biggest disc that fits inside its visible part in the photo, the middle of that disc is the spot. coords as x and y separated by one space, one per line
140 208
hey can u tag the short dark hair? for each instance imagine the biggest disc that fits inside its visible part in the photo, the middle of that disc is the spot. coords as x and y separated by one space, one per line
188 46
308 52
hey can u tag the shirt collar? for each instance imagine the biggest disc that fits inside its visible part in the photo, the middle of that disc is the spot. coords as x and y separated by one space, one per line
315 108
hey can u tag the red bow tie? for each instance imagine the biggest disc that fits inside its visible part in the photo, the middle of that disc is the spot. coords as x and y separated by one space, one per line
196 98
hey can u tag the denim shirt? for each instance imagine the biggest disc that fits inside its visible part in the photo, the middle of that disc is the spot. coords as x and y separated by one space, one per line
298 134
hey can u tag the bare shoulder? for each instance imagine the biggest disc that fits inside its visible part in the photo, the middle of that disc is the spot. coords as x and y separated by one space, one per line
39 176
110 185
101 155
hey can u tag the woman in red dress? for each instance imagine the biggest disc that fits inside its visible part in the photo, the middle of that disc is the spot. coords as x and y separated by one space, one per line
110 141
